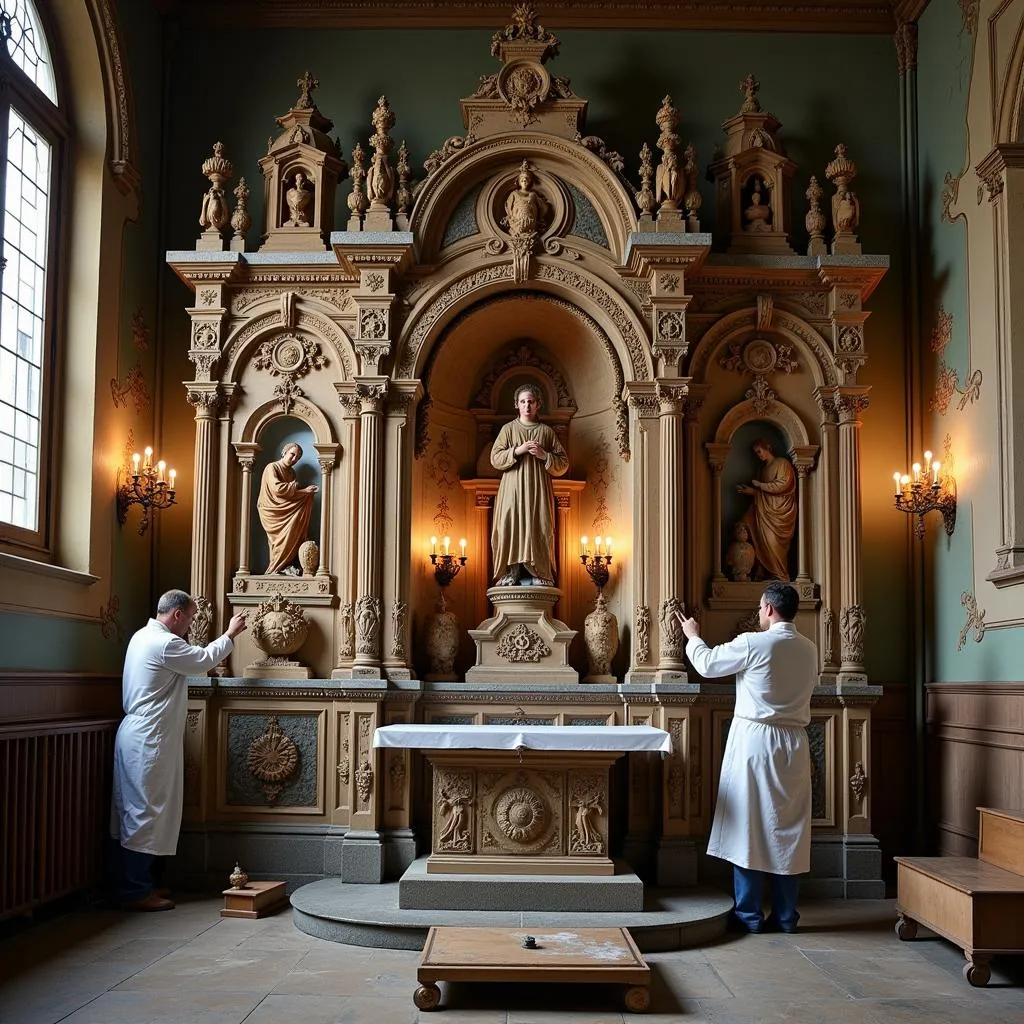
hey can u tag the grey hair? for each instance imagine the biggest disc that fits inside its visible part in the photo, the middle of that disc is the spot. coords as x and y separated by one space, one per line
172 601
291 444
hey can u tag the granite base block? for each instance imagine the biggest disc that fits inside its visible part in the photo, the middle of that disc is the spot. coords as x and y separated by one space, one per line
362 858
621 892
677 863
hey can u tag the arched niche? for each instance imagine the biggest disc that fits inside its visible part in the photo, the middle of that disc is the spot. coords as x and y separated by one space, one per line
498 160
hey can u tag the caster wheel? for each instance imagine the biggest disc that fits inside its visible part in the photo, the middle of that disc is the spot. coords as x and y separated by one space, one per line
638 998
977 974
906 929
427 997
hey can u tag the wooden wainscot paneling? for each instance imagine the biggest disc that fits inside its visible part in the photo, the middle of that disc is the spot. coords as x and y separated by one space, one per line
365 777
685 770
855 795
270 763
196 777
821 734
975 758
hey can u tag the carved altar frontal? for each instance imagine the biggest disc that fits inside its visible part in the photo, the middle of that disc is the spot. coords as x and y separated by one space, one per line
538 814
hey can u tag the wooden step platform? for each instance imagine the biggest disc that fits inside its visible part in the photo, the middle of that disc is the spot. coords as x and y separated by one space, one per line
587 955
975 902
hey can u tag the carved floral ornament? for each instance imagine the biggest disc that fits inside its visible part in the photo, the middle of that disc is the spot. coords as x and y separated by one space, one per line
521 644
273 759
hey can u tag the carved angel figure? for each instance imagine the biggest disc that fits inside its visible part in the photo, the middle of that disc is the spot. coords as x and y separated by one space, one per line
298 198
586 809
524 208
455 807
669 183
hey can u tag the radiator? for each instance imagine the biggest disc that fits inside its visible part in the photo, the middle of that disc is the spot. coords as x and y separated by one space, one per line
54 810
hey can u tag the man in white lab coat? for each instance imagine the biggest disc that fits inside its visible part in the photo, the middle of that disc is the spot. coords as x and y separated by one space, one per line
149 757
762 822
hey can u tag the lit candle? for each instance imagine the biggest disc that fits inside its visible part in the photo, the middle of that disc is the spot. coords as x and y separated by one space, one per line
597 542
161 466
916 468
433 545
462 544
608 546
936 466
136 459
149 457
896 482
927 458
447 544
583 545
904 480
172 474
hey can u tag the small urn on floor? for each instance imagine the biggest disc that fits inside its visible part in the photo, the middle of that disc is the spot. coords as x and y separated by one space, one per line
238 878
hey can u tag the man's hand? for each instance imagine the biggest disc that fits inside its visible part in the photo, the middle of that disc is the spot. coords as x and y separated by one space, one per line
236 625
689 626
745 489
311 489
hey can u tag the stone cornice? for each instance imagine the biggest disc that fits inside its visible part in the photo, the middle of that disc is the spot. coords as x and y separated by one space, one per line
839 16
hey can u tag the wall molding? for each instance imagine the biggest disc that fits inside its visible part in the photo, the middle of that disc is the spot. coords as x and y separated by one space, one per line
28 697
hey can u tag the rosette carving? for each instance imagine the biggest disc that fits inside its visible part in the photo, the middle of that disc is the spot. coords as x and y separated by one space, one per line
522 644
273 759
521 814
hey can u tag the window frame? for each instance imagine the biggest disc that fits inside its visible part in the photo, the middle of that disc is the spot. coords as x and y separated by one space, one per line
51 122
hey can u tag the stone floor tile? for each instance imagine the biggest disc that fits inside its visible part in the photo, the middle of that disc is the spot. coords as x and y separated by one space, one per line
770 970
866 976
229 972
184 1007
751 1010
968 1009
689 981
323 1009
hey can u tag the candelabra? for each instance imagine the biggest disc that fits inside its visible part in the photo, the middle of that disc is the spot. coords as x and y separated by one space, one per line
925 490
150 485
596 562
446 566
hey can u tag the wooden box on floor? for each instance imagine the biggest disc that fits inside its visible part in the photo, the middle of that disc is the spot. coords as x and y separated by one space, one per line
976 902
257 899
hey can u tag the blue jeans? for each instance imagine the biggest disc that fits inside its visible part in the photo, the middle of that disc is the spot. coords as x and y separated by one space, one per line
131 873
749 888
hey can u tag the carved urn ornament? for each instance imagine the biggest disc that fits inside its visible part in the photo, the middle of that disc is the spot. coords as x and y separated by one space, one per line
601 633
309 557
441 639
279 627
238 878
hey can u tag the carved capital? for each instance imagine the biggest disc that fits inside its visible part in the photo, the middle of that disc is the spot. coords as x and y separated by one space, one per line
992 168
851 404
371 396
672 398
205 400
905 39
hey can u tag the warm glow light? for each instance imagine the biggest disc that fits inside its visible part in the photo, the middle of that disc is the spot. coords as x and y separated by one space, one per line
896 481
936 466
927 458
583 545
447 544
433 545
608 545
136 459
597 542
173 473
916 470
149 457
462 545
904 480
161 467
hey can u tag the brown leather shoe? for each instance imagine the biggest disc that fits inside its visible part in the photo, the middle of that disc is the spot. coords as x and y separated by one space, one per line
149 903
163 892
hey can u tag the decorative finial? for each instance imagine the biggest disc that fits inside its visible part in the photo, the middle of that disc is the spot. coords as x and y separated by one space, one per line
815 219
403 196
240 219
238 878
525 28
380 178
691 198
841 167
668 182
645 197
307 83
214 213
357 200
749 87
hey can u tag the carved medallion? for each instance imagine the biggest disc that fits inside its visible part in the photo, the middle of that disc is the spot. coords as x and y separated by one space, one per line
521 644
273 759
521 814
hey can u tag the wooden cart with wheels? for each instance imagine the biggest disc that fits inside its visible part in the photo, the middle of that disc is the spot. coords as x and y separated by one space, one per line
975 902
588 955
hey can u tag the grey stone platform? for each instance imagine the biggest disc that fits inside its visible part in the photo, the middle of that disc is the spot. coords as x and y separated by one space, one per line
369 915
622 892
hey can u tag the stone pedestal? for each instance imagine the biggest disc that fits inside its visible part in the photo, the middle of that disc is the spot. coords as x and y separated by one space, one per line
522 642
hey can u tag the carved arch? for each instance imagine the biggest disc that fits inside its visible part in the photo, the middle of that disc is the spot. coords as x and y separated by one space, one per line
583 291
238 346
786 325
1009 112
781 414
305 411
501 156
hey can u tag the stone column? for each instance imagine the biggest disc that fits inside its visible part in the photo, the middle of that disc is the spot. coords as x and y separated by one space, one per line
672 399
643 401
372 392
717 454
827 464
693 506
246 454
205 399
397 507
345 490
850 403
803 460
327 456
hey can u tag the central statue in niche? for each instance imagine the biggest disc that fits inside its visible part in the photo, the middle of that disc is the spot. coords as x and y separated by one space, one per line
528 454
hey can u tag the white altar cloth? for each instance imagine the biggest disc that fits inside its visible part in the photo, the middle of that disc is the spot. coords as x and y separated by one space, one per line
517 737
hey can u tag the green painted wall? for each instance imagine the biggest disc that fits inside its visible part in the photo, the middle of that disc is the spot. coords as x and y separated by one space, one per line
944 74
47 643
231 89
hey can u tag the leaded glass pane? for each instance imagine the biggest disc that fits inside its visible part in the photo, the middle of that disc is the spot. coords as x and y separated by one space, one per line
27 45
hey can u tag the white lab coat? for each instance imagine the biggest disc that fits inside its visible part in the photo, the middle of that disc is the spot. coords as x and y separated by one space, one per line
763 815
149 754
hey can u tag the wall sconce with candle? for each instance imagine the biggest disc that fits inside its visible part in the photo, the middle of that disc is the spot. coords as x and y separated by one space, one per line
441 629
925 489
151 485
596 562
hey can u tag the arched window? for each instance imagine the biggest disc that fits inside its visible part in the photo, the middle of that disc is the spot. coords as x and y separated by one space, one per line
33 152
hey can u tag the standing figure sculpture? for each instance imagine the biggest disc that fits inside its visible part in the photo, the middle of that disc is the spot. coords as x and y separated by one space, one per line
298 198
771 518
284 508
524 208
845 208
528 454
